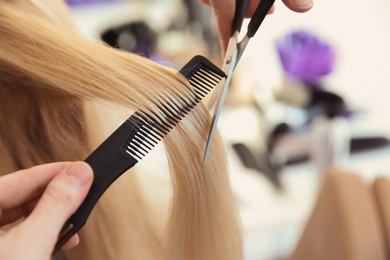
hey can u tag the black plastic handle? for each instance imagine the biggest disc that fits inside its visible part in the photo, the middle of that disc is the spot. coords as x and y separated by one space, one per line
239 15
109 161
258 17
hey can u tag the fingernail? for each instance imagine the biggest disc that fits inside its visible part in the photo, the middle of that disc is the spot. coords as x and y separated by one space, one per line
303 3
81 171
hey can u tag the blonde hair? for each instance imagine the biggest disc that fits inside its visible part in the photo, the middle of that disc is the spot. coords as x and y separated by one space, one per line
49 76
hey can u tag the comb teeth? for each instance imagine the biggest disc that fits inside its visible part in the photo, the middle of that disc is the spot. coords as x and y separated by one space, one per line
203 76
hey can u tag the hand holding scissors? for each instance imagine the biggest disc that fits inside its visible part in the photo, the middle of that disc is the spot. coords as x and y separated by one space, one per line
233 54
224 11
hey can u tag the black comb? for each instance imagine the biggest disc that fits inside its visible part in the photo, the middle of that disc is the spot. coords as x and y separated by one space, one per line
136 137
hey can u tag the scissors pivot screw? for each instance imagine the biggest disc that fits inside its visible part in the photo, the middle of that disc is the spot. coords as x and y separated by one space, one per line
229 59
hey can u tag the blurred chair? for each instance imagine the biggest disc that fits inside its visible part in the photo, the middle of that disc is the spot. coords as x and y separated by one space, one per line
348 222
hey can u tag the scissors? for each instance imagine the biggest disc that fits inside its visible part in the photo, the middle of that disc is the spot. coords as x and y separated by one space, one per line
234 52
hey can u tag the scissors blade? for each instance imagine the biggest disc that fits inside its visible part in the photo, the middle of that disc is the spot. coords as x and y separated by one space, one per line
228 68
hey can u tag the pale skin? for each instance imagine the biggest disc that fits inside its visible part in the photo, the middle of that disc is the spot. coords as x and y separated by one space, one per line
41 199
224 12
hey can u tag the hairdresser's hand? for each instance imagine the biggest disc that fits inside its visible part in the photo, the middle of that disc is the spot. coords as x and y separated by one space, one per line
43 198
224 12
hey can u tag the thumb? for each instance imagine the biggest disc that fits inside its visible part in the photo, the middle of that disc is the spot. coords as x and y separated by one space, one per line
224 12
299 5
60 200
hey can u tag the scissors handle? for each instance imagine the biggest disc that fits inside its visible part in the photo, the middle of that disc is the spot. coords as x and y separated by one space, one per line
258 17
239 15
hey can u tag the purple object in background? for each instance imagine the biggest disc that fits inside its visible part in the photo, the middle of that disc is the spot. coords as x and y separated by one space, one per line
80 2
304 56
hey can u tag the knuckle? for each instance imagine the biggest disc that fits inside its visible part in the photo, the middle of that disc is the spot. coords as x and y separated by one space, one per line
59 198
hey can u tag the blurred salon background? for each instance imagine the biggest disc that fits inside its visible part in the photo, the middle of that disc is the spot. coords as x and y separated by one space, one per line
310 92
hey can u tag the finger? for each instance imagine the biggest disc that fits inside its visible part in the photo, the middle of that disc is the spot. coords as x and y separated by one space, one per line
61 198
299 5
72 242
224 12
26 185
11 215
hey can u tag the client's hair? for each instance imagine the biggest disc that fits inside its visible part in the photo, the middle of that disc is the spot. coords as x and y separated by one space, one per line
52 79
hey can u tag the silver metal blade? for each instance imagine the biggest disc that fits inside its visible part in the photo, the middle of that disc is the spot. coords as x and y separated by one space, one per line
229 65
